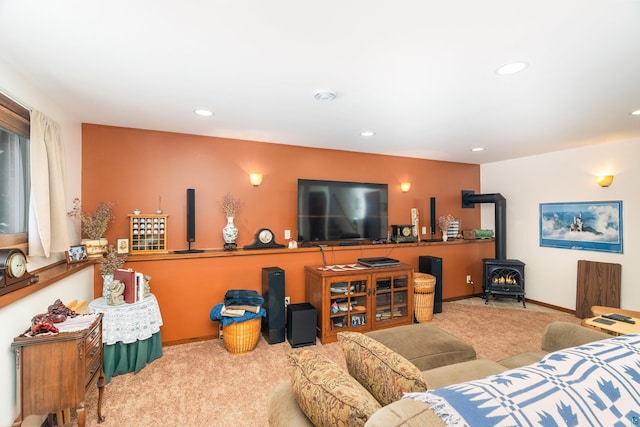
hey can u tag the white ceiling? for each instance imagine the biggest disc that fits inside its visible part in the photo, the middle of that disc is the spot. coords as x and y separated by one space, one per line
419 73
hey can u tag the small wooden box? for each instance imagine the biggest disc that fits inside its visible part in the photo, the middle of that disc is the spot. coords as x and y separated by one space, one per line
469 234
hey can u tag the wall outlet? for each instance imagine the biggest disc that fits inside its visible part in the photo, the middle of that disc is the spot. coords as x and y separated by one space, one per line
287 301
424 230
469 282
287 234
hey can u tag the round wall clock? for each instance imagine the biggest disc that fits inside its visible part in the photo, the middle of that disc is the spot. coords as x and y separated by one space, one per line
264 239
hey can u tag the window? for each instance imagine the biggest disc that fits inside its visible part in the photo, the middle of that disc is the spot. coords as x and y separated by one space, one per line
14 173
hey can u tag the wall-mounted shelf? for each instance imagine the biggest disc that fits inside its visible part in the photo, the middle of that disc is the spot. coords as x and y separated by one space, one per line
148 234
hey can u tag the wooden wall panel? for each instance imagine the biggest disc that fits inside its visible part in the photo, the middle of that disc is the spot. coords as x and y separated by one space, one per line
598 284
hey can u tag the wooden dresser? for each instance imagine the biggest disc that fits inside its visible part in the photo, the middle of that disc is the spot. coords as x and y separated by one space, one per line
55 371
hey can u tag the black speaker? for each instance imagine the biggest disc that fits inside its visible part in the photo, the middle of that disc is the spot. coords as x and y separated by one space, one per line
191 223
301 324
433 265
273 324
432 208
432 222
191 215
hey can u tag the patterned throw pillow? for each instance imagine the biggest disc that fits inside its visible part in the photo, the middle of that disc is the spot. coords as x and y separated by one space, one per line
327 394
383 372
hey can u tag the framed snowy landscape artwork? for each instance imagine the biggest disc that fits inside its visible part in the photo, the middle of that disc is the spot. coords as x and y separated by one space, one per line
590 226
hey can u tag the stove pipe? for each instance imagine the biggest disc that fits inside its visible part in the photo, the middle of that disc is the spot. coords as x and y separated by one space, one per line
469 199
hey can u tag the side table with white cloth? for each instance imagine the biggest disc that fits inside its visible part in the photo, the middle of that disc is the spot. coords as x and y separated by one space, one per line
130 334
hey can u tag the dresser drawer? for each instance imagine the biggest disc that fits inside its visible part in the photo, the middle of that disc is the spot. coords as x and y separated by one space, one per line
94 335
93 366
93 353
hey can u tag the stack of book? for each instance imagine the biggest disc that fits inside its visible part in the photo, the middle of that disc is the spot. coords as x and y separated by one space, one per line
134 284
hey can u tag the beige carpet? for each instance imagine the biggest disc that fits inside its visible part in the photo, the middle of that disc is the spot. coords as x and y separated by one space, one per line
201 384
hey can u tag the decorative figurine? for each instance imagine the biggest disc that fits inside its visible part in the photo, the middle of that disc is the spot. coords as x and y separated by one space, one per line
147 287
116 289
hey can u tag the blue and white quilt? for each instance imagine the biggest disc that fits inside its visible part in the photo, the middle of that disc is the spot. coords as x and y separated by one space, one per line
597 384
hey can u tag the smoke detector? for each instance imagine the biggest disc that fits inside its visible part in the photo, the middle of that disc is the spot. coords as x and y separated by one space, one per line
324 95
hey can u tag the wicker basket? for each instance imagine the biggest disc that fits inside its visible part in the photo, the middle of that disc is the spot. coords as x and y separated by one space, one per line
241 337
424 286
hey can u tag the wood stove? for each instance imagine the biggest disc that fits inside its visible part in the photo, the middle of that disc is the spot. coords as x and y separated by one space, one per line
503 277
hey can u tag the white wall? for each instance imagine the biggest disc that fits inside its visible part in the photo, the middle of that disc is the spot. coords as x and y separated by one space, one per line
16 318
566 176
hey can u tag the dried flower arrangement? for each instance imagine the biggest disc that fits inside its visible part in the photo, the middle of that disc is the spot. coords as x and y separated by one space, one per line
111 261
445 221
230 205
93 226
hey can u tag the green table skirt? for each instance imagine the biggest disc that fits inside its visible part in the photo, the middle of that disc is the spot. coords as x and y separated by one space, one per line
121 358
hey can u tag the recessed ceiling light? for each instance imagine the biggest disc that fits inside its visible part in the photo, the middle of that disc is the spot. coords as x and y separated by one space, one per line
324 95
367 133
635 113
477 149
203 113
511 68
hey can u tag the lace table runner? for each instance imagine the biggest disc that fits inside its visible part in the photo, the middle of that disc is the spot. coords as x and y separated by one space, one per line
128 322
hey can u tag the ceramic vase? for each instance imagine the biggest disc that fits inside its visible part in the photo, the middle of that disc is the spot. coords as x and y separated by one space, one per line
230 231
107 279
444 236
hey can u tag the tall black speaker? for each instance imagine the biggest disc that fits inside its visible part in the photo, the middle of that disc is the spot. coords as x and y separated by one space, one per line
191 223
273 325
191 215
432 222
433 265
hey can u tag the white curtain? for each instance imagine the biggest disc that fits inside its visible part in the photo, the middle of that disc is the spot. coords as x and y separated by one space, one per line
47 207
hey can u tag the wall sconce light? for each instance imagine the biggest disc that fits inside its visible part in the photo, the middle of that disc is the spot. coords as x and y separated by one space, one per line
605 180
256 179
405 186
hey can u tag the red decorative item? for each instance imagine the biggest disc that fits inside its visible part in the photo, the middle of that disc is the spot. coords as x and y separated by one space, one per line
59 312
56 313
42 323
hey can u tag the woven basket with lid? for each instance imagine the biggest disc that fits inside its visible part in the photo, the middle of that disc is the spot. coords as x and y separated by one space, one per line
424 286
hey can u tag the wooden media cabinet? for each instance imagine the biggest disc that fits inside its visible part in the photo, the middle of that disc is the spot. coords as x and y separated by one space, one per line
353 298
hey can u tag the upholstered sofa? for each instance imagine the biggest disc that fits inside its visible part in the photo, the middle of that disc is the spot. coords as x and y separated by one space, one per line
383 365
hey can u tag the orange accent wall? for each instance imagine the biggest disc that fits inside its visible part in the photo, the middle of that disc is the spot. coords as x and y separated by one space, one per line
137 168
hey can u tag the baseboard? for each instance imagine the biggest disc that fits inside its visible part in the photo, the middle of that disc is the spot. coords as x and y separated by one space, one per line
189 340
551 306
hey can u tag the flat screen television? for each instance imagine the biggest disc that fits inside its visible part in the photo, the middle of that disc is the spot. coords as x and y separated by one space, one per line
338 210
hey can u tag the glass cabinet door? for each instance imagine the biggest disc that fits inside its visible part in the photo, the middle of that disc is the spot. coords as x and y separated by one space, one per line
348 303
391 297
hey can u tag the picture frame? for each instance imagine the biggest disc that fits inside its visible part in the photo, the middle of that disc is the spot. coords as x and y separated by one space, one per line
590 226
77 253
122 246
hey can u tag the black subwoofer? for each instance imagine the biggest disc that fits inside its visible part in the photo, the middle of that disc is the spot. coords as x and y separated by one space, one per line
273 325
301 324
